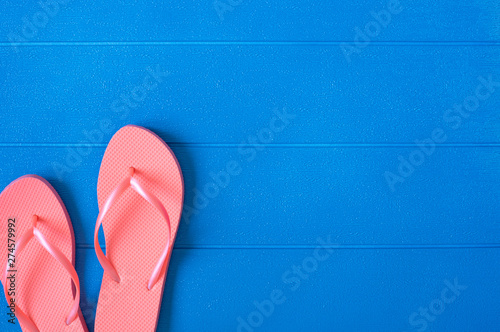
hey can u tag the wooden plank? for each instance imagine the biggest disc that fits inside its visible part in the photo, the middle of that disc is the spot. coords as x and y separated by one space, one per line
349 290
222 94
285 196
244 20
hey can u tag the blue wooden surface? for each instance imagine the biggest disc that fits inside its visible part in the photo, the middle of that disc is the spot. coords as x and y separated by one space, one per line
220 81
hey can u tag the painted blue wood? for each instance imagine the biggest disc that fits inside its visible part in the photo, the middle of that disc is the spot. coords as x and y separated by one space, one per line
244 20
351 290
343 106
387 94
289 195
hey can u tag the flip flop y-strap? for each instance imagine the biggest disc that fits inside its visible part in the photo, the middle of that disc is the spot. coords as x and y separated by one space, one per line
34 232
130 181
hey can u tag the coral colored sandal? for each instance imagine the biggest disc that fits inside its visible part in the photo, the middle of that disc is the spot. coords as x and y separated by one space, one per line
38 272
140 192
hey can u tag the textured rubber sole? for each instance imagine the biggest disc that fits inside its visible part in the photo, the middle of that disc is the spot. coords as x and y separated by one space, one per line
134 230
43 288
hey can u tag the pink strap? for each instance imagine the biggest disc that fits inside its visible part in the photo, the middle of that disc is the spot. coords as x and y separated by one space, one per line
153 200
60 257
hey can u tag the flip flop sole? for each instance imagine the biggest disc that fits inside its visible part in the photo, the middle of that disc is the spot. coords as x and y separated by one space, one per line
43 288
135 232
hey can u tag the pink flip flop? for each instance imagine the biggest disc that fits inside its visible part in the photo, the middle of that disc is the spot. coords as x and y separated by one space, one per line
140 192
38 256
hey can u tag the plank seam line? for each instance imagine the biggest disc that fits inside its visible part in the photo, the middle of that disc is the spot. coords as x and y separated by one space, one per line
340 246
245 43
273 145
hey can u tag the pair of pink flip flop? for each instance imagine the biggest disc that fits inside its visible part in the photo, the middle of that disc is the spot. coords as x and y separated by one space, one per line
140 193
